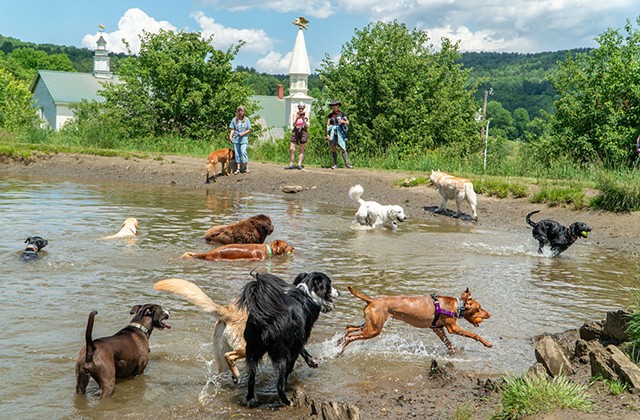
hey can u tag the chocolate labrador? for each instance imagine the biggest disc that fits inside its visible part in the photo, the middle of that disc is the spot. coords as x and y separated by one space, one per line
121 355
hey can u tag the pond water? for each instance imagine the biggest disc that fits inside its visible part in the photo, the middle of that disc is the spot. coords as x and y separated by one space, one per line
44 304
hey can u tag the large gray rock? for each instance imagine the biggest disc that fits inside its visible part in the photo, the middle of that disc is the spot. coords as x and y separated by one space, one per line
599 358
550 354
615 325
627 370
591 331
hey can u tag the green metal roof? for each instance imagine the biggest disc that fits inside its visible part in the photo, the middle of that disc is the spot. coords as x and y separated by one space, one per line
271 110
70 87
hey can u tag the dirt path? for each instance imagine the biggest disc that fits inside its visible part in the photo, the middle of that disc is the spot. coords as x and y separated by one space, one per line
445 394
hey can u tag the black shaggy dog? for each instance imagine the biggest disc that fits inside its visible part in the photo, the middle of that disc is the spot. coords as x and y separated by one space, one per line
557 236
34 245
280 319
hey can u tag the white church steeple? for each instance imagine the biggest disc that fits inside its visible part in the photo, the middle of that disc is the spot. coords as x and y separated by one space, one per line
299 72
101 67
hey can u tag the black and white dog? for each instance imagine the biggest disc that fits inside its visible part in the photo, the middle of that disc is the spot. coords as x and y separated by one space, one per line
280 319
558 237
34 245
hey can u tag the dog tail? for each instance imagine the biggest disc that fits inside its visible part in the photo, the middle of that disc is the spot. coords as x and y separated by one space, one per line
193 294
264 299
357 294
91 348
528 218
355 192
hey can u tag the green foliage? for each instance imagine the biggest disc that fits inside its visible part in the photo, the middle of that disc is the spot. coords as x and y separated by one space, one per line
500 188
615 387
15 103
561 196
23 63
598 113
398 93
619 192
530 395
178 85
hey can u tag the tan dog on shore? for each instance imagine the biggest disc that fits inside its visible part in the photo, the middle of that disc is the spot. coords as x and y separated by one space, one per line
129 229
251 252
435 312
453 188
222 156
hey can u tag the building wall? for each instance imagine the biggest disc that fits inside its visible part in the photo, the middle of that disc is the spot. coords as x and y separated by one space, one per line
64 114
44 102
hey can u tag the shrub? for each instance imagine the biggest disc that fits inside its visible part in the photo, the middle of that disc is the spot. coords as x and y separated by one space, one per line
618 192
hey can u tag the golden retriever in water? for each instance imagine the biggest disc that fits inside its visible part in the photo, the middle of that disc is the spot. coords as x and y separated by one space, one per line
129 229
253 230
228 339
251 252
454 188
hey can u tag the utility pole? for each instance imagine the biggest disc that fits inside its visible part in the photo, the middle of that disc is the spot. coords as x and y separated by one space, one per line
484 111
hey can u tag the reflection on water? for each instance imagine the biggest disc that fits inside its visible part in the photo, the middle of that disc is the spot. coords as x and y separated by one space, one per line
45 303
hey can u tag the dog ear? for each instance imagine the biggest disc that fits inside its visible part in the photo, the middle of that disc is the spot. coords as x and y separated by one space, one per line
466 295
135 309
299 278
27 240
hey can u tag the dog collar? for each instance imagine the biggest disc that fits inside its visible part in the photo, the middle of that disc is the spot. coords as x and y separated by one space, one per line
269 253
440 311
259 235
140 327
31 248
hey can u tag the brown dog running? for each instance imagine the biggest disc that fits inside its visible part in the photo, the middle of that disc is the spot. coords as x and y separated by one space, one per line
435 312
252 230
251 252
121 355
222 156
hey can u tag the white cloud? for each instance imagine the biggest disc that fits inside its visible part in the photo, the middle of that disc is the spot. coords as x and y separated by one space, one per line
130 27
256 40
320 9
274 63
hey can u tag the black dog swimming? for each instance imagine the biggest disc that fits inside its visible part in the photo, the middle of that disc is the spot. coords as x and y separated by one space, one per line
279 323
34 245
557 236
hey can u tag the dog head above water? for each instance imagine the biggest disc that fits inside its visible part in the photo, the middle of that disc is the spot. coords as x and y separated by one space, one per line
579 229
318 286
279 247
34 245
149 316
396 213
473 311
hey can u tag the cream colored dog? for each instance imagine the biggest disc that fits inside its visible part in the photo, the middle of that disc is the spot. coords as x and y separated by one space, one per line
454 188
129 229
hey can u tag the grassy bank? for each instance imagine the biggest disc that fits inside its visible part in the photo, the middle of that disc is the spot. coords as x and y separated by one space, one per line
507 172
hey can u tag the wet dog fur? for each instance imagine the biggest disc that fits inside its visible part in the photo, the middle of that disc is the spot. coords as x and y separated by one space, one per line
249 252
280 321
34 245
121 355
558 237
453 188
129 229
373 214
252 230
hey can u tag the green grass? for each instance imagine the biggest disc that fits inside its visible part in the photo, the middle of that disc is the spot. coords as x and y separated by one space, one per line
530 395
561 196
615 387
501 188
619 192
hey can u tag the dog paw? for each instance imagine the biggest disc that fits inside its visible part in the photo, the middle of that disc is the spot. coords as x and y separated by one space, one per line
252 403
312 363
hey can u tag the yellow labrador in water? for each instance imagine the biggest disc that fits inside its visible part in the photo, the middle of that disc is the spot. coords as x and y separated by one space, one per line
129 229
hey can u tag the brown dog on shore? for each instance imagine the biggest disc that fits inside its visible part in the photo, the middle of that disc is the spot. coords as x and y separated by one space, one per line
251 252
435 312
222 156
121 355
253 230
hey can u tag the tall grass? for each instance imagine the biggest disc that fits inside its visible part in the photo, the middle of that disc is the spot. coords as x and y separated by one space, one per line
530 395
618 192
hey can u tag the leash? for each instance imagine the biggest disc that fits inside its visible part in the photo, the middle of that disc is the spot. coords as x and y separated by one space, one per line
440 311
140 327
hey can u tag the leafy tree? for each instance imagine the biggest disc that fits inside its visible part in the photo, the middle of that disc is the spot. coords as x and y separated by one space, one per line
598 113
177 85
399 93
501 120
24 62
15 102
520 122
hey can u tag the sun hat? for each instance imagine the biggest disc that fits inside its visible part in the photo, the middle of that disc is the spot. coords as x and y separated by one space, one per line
335 103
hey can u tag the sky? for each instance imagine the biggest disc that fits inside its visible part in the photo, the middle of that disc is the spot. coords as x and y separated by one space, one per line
523 26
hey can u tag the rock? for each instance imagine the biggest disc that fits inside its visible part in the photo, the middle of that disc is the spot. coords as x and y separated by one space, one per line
627 370
549 353
291 189
537 370
615 325
328 410
581 352
591 331
599 359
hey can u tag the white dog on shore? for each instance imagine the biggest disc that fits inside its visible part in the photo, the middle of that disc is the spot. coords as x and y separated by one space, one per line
129 229
454 188
375 214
